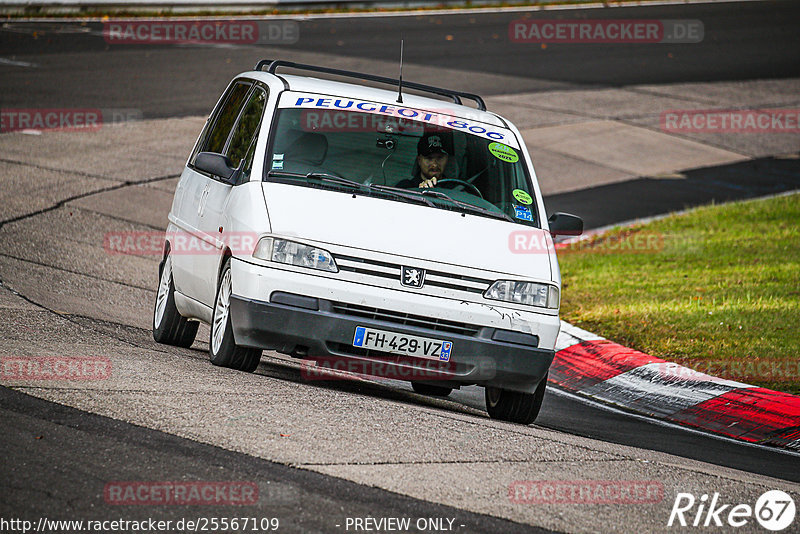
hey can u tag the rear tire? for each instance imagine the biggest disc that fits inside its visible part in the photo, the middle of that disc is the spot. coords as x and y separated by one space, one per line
169 326
433 391
515 406
221 346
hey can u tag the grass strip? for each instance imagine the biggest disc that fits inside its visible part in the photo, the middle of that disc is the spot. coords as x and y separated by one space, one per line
716 289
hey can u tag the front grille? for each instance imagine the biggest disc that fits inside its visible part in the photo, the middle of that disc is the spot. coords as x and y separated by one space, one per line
390 271
406 319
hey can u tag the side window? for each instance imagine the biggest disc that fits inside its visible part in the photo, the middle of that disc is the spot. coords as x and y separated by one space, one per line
247 166
245 131
223 122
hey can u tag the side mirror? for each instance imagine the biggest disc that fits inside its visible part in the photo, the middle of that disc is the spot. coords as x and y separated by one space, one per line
565 224
216 165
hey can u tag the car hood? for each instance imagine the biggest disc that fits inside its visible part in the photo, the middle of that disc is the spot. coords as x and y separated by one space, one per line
407 230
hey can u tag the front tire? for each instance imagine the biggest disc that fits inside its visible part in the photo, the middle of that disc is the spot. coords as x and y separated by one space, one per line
169 326
515 406
221 346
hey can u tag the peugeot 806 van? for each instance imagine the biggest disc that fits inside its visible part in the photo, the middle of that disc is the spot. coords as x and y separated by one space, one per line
397 232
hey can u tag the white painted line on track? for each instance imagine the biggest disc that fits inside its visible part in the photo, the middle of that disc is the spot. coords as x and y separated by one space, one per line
14 63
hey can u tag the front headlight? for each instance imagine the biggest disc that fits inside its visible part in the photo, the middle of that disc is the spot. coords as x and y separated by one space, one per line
292 253
528 293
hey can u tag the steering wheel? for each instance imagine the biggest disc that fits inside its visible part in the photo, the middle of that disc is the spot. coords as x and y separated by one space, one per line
461 182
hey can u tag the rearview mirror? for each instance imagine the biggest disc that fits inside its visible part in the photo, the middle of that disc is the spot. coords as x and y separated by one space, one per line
565 224
216 165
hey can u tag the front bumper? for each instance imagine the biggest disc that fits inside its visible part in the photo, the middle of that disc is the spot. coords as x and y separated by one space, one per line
311 328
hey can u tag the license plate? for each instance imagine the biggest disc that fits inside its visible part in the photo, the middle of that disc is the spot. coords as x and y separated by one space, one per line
422 347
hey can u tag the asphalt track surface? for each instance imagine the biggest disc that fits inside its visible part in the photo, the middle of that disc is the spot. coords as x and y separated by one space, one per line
75 68
71 65
54 456
647 197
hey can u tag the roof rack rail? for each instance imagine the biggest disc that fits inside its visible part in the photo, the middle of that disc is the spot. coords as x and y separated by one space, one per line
455 95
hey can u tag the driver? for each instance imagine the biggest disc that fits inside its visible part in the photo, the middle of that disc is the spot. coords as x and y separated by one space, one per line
433 152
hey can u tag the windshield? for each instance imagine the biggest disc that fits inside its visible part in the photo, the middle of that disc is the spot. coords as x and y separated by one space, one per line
391 156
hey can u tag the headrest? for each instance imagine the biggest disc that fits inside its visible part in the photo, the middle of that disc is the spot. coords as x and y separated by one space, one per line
307 147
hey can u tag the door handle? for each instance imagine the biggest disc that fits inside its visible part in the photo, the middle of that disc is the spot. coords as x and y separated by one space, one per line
201 207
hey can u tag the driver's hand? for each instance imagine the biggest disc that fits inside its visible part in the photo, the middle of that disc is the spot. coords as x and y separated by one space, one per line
428 183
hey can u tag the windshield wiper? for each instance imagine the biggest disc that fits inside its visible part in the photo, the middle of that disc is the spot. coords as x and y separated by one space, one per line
321 176
330 178
402 193
468 207
408 194
335 179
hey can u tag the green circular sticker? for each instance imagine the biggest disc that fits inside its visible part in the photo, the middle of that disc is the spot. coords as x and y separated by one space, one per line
503 152
522 197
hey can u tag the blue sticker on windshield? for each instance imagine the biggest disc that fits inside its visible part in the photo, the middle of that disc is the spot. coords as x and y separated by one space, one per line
523 212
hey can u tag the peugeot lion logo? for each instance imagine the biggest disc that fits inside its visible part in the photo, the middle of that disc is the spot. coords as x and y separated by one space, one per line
412 277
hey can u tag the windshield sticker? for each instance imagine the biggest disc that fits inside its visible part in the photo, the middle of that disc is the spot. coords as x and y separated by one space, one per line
503 152
523 212
487 131
522 197
277 162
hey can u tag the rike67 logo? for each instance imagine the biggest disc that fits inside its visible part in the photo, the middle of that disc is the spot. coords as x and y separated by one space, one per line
774 510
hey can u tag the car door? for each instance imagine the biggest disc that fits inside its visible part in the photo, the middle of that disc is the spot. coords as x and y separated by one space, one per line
214 218
190 244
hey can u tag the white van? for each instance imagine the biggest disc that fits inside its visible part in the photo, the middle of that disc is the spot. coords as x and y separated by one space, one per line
365 229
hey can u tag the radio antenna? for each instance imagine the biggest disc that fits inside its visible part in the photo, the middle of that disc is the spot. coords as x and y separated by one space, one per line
400 80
